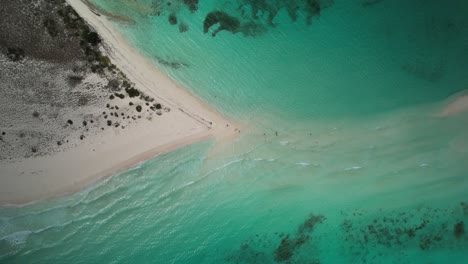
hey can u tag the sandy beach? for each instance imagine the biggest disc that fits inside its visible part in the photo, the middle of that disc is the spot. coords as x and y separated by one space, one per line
29 180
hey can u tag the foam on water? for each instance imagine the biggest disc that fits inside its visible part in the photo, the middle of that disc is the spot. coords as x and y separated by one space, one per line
344 161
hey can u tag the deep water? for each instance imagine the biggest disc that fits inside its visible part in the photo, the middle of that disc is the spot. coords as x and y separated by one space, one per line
344 159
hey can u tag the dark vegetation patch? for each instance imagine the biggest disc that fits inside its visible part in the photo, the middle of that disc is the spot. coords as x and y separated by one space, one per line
431 72
192 5
132 92
364 236
183 27
252 17
83 101
146 98
226 22
172 19
464 207
114 85
41 32
74 80
51 27
248 253
290 243
368 3
119 95
126 84
90 37
171 64
278 247
105 62
15 54
459 229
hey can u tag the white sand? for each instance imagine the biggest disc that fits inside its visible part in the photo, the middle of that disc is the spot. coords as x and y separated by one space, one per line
100 156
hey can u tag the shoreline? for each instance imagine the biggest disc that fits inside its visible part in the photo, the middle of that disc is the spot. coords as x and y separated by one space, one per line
32 180
119 168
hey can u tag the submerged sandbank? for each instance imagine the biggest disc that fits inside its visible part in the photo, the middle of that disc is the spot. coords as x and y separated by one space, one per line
456 105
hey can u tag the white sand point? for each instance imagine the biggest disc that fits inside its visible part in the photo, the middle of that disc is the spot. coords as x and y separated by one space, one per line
190 120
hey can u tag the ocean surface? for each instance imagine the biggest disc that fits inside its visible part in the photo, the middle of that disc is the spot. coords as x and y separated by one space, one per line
344 158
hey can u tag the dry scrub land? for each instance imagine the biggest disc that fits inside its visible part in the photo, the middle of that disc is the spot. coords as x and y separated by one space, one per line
57 86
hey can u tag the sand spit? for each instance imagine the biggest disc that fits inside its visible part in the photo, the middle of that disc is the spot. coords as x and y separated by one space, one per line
113 131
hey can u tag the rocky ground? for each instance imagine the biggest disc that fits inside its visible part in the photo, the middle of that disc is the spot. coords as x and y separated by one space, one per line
57 86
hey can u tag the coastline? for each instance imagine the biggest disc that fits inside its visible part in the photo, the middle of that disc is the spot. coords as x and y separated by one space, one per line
31 180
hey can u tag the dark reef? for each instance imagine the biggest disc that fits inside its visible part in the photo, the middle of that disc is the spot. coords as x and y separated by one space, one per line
251 17
363 236
284 246
459 229
171 64
367 3
289 244
192 5
225 21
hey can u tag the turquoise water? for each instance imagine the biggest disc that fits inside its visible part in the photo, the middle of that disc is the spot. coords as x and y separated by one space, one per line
344 159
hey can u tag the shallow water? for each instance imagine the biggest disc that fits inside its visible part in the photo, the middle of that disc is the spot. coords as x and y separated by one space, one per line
344 160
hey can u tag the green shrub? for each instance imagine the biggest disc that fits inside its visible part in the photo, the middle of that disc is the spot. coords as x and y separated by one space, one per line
132 92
